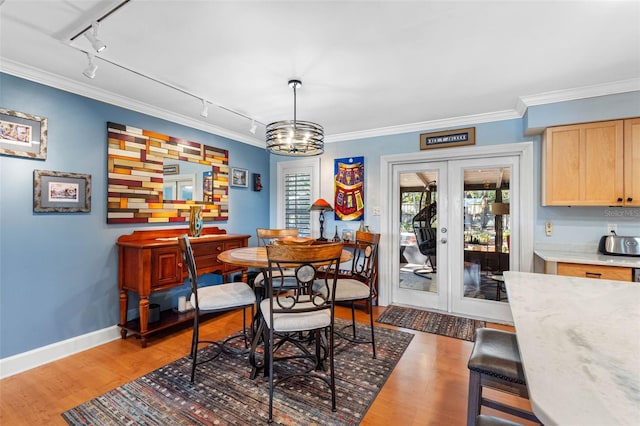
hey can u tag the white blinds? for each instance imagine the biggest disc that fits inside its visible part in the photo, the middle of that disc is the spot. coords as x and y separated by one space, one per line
297 202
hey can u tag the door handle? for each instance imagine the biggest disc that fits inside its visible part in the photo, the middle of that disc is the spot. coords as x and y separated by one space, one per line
443 230
443 240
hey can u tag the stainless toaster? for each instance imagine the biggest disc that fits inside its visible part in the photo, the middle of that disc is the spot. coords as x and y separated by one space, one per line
619 246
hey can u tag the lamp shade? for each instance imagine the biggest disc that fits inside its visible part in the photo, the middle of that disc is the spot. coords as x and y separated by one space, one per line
321 205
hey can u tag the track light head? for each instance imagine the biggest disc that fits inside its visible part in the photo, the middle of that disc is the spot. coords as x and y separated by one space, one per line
205 109
92 36
90 70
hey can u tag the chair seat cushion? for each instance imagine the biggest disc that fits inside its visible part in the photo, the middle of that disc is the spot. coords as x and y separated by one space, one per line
346 289
223 296
496 353
296 321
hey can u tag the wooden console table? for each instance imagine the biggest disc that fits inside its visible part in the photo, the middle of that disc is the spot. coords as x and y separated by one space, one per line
150 261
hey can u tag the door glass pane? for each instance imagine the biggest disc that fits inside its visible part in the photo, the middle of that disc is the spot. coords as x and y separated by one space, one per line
418 225
486 234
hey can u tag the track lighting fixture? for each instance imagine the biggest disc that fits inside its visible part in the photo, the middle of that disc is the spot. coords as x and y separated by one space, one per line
253 127
90 70
92 36
205 109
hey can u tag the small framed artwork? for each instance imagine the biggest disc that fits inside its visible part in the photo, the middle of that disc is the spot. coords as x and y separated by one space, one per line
23 135
171 169
257 182
59 192
239 177
448 138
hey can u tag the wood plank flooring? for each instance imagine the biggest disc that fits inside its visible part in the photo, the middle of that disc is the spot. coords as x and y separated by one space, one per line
427 387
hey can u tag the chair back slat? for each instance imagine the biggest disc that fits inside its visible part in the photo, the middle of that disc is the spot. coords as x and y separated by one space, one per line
267 235
190 262
365 257
312 264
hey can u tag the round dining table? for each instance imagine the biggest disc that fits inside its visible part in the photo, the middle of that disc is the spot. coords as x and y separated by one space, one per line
256 257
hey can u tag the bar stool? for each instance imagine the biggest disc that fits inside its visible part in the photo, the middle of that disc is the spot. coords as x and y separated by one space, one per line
495 362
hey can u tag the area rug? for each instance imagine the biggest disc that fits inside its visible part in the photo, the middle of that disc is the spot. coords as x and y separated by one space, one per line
224 394
431 322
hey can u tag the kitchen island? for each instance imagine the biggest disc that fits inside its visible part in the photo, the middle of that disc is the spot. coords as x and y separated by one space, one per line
579 340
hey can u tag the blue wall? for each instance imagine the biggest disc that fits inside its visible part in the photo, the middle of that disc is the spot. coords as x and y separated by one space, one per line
58 272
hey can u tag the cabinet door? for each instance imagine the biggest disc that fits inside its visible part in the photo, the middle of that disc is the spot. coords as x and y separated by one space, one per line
583 164
619 273
166 268
632 162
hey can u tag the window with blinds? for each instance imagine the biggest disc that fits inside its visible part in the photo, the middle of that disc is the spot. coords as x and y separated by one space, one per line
297 202
298 188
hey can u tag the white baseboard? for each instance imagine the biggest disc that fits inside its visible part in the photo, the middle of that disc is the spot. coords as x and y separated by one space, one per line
27 360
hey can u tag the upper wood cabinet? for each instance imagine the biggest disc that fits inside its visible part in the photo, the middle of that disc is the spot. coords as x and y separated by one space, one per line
592 164
632 162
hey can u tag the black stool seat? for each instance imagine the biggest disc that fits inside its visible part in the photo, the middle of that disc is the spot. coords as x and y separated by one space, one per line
495 363
496 353
484 420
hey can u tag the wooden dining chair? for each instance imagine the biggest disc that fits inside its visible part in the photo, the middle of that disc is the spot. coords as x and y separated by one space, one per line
268 236
216 298
286 312
359 285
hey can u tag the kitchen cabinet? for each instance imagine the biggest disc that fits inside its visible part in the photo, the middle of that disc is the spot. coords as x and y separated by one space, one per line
592 164
619 273
151 260
632 162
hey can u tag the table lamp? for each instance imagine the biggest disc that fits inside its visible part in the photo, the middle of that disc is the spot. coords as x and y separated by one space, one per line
322 206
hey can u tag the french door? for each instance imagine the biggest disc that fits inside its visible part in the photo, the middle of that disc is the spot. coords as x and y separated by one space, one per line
453 262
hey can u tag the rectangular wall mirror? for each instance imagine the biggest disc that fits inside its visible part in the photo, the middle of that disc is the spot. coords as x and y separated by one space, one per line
156 178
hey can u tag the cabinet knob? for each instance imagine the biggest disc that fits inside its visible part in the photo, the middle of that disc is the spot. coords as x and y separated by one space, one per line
619 199
629 199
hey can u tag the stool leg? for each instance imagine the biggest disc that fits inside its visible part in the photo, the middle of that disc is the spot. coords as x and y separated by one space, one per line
475 398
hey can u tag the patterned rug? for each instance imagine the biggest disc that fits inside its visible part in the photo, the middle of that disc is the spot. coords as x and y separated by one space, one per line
431 322
223 393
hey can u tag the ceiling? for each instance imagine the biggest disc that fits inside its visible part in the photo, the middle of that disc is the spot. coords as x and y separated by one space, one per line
368 67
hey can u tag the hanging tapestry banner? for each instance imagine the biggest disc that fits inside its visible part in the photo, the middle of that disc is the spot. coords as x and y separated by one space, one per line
349 188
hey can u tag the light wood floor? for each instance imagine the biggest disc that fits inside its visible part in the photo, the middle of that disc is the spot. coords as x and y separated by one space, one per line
427 387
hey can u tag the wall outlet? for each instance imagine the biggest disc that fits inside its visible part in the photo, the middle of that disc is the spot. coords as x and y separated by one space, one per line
548 228
375 211
612 227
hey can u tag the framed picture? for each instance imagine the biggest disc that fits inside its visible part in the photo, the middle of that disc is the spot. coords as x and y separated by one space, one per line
171 169
448 138
59 192
239 177
23 135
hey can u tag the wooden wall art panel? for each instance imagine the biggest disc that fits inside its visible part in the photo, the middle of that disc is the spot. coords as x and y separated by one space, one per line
135 177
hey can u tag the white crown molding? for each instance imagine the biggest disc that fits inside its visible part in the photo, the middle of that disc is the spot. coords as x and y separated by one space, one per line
584 92
31 359
49 79
426 125
523 102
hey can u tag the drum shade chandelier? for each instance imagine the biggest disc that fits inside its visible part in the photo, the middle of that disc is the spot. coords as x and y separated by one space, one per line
295 138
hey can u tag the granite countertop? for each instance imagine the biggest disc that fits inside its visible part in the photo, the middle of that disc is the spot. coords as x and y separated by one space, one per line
579 340
559 254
